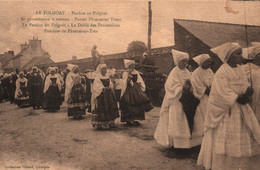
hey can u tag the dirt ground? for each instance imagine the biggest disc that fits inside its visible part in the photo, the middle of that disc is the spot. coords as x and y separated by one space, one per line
35 139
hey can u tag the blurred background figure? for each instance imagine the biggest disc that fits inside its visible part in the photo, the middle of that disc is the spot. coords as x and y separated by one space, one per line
95 56
1 87
6 87
11 87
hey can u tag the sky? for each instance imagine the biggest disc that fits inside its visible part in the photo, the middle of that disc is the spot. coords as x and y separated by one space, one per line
133 25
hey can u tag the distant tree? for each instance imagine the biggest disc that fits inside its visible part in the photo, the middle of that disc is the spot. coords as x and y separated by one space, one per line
136 47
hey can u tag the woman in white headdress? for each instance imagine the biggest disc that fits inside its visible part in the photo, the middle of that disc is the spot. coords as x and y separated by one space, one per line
21 92
103 102
201 80
232 132
176 122
75 94
253 73
52 91
133 102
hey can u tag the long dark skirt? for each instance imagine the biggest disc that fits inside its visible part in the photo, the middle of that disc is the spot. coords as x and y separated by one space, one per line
23 98
6 86
106 111
36 96
62 94
118 93
53 98
1 93
77 101
44 102
189 105
10 94
134 103
76 112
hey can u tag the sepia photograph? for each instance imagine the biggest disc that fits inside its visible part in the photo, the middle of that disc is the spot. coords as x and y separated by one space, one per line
129 84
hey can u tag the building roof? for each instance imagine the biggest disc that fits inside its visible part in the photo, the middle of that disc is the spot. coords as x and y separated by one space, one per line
154 52
5 59
215 33
22 51
36 60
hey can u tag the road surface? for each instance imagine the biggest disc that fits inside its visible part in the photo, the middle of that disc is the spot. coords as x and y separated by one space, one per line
35 139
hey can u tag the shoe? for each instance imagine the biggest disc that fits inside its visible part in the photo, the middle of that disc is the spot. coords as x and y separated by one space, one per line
128 124
112 125
136 123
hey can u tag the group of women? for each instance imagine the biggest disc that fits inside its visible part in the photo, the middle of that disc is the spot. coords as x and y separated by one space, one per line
133 102
219 112
37 90
103 102
8 86
26 89
45 92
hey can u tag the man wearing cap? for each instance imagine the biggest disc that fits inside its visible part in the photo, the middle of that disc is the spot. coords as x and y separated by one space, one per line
147 60
147 63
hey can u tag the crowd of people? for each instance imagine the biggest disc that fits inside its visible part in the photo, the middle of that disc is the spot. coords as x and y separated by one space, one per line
220 111
102 92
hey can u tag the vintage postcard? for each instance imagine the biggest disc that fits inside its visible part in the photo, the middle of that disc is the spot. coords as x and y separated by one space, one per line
115 84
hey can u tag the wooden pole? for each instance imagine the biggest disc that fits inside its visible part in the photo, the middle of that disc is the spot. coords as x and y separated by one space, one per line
149 29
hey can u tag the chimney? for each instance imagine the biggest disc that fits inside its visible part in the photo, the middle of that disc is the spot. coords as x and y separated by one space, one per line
24 46
35 43
74 57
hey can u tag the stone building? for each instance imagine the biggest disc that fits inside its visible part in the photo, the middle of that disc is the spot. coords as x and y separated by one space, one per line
5 60
30 54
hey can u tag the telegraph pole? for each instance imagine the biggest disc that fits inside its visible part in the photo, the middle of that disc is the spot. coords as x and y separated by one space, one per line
149 28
